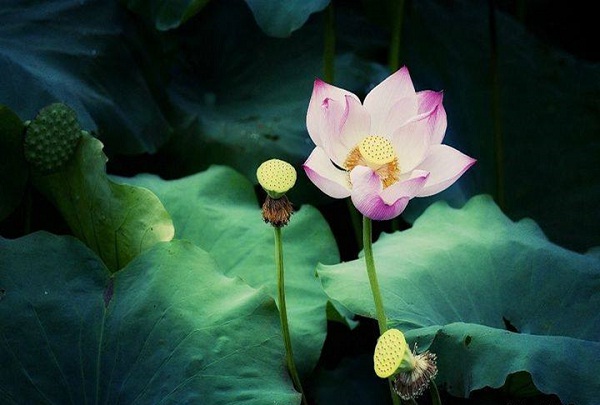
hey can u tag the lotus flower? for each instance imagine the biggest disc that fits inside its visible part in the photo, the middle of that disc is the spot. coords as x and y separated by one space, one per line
382 152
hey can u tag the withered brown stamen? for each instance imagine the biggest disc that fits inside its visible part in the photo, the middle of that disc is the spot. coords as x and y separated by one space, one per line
278 211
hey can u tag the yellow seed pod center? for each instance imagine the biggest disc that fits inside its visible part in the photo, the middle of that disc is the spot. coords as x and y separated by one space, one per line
276 177
389 353
376 150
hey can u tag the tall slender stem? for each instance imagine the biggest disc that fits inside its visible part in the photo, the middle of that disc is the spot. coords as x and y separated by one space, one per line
285 329
394 50
496 116
329 46
376 291
397 13
370 262
435 394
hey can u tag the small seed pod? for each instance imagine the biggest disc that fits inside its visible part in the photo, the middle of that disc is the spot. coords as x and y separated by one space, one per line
276 177
51 138
390 352
411 372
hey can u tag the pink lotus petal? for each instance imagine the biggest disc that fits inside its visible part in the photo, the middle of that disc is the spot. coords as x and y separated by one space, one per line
411 143
333 115
382 98
405 188
366 196
445 165
318 106
329 179
430 102
401 112
356 124
344 126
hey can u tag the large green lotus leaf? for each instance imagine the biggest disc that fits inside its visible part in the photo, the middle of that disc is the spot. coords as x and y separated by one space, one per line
81 53
280 18
174 330
167 14
13 167
116 221
460 280
218 211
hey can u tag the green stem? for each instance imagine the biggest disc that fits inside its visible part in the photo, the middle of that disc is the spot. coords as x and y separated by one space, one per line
28 209
435 394
496 113
285 329
376 291
355 220
329 48
370 262
394 50
394 59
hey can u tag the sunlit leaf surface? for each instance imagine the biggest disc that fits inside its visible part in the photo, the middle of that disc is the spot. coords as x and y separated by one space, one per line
461 282
218 211
168 329
117 221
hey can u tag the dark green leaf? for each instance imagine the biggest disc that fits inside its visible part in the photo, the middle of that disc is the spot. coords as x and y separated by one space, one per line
548 114
77 53
167 14
281 18
245 96
13 167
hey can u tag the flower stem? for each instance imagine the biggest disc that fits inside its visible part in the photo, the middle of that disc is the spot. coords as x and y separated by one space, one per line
496 110
379 310
370 262
285 329
435 394
394 50
329 46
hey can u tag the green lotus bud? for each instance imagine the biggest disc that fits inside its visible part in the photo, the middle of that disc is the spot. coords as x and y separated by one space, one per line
51 138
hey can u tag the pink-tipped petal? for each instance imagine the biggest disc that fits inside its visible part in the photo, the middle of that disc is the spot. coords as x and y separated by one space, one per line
382 98
406 188
445 165
366 190
328 178
428 100
411 143
320 103
430 103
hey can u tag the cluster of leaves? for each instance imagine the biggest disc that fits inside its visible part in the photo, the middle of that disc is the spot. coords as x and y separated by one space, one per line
163 291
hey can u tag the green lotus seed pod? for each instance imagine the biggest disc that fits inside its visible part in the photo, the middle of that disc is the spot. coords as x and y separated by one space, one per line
276 177
51 138
392 354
